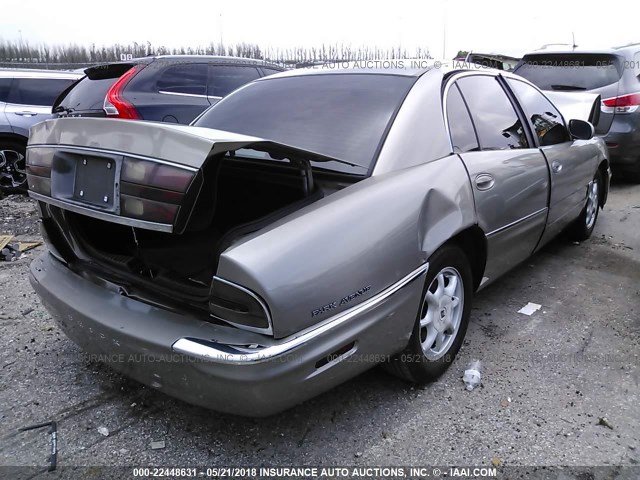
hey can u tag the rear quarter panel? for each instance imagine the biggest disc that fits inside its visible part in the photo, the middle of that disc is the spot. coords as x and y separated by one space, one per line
365 237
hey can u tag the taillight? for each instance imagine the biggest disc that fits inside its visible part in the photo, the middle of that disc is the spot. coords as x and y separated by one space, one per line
115 105
152 191
622 104
239 307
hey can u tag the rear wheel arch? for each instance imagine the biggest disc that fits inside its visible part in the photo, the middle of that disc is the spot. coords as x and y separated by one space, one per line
604 169
473 243
12 137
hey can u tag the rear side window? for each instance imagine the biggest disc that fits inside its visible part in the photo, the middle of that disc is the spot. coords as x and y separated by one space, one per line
224 79
463 135
5 85
496 121
545 118
270 71
37 91
187 78
87 94
570 72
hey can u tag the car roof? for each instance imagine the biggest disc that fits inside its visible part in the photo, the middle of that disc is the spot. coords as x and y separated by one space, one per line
198 58
568 50
397 67
33 73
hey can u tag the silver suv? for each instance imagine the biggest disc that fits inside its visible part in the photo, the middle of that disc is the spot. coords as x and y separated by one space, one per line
26 97
612 73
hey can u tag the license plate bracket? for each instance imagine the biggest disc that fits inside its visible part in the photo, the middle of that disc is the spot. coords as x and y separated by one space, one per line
95 181
87 179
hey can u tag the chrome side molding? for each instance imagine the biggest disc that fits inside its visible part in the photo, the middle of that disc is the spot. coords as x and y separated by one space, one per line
210 350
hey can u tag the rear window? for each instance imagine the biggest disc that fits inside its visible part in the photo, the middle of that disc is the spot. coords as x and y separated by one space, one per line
90 92
37 91
341 116
570 72
87 94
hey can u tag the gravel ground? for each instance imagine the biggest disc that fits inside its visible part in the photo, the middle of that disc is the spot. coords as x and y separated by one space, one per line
547 381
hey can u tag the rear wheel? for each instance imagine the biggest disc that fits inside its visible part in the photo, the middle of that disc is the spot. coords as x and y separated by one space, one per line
583 226
442 319
13 175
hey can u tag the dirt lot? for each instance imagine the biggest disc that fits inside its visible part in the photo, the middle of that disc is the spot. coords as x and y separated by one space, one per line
548 379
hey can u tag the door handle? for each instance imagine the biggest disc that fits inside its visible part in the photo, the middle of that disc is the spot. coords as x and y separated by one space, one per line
556 166
26 114
484 181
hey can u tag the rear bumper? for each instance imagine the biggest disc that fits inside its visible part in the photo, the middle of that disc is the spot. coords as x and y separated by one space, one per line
202 363
623 142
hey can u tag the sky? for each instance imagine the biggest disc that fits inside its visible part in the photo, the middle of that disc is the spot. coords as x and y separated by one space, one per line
442 26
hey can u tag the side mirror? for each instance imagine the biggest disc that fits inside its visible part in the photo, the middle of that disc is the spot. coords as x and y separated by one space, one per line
581 130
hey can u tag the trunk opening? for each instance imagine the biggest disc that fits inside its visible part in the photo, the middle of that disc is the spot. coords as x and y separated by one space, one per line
238 197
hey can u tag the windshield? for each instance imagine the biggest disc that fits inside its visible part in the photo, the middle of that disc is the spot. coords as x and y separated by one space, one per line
570 72
343 116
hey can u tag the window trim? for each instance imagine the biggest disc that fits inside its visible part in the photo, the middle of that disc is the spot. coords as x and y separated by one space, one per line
528 121
466 106
514 103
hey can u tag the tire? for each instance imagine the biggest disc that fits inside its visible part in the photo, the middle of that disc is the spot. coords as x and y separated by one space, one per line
583 226
438 314
13 178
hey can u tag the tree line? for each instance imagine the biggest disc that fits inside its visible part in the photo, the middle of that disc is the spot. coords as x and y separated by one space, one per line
26 54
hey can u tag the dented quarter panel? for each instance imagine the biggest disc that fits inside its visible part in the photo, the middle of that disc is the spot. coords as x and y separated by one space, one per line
367 236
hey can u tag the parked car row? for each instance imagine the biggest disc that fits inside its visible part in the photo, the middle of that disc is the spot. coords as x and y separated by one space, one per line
174 88
305 228
26 97
612 73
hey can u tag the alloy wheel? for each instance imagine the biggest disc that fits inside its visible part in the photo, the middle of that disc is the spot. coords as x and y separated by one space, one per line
12 169
441 313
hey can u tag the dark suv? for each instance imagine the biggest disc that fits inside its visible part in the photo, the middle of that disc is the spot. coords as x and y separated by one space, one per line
614 74
172 88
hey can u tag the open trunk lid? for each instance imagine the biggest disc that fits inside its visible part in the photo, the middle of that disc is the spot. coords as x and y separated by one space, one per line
141 174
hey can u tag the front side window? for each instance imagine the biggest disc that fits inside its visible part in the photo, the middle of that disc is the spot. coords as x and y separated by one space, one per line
37 91
496 121
463 134
224 79
189 79
545 118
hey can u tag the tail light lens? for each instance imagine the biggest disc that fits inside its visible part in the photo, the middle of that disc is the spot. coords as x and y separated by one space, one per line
239 307
623 104
152 191
115 105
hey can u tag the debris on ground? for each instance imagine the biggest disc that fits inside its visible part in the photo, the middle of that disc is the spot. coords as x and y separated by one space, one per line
530 308
496 462
53 432
103 431
157 445
605 423
471 377
13 251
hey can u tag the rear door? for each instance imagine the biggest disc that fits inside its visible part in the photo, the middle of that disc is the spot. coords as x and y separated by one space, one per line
30 101
571 163
508 173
